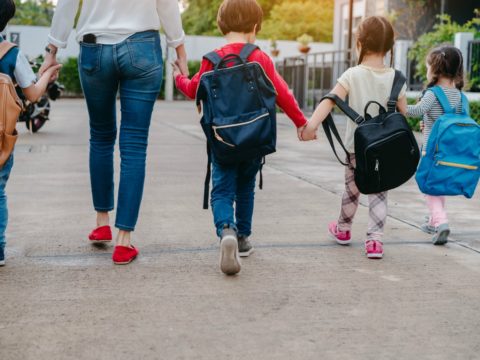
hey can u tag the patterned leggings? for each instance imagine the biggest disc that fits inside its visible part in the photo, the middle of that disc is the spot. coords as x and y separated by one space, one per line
377 204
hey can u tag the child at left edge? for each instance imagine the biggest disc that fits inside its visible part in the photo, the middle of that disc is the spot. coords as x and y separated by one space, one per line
240 21
15 64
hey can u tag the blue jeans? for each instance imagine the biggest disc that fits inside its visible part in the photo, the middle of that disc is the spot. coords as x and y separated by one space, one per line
4 175
134 68
234 184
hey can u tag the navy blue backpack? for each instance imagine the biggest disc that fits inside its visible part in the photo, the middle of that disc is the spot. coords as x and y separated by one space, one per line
451 165
239 111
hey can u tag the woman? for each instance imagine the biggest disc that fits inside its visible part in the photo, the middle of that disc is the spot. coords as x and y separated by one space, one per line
119 52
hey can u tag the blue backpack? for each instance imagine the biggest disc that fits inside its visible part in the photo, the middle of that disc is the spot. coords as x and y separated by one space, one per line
239 110
451 165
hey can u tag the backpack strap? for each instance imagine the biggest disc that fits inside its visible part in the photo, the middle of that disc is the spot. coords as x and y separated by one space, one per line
208 176
398 81
247 50
347 110
443 100
5 47
213 57
465 104
330 128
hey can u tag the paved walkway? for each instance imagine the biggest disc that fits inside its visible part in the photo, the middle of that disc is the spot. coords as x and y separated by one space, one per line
299 296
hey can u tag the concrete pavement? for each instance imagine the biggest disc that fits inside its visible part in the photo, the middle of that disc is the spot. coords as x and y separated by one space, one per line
299 296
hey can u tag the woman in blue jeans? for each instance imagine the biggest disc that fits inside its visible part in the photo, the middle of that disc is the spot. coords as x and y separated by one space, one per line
119 53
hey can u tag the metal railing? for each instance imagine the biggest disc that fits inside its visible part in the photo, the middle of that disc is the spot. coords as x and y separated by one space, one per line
473 64
313 75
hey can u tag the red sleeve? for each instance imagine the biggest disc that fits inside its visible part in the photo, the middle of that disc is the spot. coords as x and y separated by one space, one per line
285 99
189 86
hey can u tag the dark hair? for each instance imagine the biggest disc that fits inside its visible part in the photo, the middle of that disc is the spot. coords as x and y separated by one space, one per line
446 61
375 35
239 16
7 12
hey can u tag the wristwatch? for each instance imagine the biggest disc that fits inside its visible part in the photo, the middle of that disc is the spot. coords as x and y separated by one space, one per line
50 50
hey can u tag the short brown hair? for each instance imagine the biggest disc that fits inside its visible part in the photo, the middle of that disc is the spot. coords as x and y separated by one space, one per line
239 16
375 35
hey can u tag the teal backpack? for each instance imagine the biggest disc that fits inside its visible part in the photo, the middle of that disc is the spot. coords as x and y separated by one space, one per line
451 165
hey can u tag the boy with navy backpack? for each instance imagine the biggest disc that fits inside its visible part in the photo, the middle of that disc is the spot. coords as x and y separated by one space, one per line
451 153
239 88
14 64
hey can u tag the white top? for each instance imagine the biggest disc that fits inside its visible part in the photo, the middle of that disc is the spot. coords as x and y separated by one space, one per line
364 84
23 73
112 21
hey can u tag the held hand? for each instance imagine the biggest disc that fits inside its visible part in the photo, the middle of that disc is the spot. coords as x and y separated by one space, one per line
422 126
182 59
309 133
176 70
52 72
50 60
300 131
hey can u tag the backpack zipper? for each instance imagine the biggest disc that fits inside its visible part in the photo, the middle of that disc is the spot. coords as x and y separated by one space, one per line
377 169
219 138
457 165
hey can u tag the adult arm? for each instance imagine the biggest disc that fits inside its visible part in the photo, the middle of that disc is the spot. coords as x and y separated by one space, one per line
169 15
62 25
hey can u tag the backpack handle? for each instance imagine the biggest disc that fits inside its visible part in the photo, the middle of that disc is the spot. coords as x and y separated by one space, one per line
381 109
347 110
226 59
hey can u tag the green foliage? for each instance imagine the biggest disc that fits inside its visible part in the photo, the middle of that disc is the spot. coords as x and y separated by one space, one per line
283 19
290 19
69 76
200 17
33 12
443 33
474 114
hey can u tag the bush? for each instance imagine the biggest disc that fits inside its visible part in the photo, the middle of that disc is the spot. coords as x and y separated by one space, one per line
443 33
474 114
69 77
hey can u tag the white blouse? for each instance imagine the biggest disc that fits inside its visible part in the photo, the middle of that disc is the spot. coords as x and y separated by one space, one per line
112 21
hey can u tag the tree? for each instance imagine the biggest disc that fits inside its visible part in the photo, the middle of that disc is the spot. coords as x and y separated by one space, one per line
283 19
33 12
414 17
290 19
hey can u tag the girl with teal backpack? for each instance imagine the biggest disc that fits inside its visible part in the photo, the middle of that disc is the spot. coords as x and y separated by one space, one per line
450 163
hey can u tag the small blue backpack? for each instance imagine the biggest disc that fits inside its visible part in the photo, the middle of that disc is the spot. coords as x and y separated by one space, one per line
239 110
451 165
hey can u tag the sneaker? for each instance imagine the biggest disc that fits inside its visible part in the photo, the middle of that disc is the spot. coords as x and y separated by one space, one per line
441 236
245 248
101 234
341 237
374 249
229 259
123 255
2 256
428 228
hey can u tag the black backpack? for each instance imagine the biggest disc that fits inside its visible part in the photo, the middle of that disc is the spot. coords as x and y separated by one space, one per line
239 110
386 151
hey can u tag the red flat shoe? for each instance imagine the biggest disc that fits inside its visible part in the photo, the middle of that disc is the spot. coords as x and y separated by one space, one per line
101 234
123 255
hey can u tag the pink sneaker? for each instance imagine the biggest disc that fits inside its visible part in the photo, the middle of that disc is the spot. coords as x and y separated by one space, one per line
374 249
341 237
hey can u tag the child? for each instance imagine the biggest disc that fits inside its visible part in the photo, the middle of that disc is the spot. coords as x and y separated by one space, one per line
15 64
444 69
239 21
370 80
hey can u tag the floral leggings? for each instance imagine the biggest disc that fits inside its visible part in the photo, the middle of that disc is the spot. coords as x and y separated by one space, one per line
377 204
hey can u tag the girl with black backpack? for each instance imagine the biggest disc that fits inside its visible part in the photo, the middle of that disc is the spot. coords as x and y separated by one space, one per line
369 81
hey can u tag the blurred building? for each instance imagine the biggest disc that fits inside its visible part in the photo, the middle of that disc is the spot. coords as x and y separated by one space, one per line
409 22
